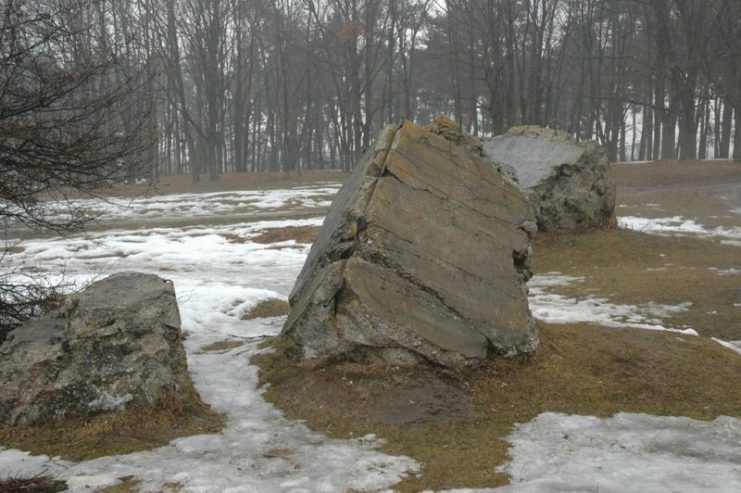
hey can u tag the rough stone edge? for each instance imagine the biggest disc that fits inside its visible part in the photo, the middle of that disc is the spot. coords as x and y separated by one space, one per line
346 231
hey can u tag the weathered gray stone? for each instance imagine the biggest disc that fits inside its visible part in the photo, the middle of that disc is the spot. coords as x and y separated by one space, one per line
114 345
423 255
567 183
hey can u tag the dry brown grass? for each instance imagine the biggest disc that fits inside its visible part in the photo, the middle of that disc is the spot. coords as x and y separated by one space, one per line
128 485
113 434
38 484
672 173
11 249
222 346
703 191
224 183
301 234
634 268
272 307
705 207
578 369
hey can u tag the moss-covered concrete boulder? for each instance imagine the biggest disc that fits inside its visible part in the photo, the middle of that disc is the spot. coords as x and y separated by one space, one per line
116 344
567 183
423 256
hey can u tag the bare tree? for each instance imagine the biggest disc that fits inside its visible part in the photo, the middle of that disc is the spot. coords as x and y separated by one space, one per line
66 125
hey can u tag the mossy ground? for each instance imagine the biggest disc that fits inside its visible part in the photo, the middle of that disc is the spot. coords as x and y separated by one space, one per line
113 434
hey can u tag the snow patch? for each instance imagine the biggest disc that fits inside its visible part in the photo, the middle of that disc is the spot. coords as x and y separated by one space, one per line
732 345
558 309
678 225
627 452
192 205
217 279
726 272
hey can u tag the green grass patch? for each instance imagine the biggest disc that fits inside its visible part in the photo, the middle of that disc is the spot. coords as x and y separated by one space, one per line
578 369
129 431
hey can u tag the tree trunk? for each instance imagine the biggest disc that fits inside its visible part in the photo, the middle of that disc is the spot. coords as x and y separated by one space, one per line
725 134
737 139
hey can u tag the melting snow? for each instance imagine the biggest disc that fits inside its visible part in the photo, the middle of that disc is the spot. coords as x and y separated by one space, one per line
726 272
220 273
679 225
196 204
627 452
259 450
557 309
732 345
216 280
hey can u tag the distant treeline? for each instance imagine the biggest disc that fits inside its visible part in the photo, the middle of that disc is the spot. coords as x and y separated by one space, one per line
283 85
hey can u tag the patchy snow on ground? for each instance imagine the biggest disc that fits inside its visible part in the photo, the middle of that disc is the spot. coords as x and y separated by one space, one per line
211 254
217 281
681 226
194 205
258 451
726 272
732 345
558 309
627 452
220 273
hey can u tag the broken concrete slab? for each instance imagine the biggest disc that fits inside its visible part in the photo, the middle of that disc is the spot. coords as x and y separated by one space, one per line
424 255
567 183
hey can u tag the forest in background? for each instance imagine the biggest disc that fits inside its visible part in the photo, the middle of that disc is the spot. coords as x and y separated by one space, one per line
215 86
